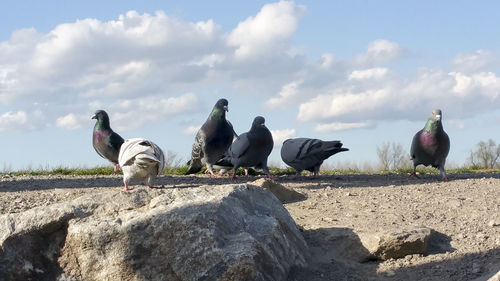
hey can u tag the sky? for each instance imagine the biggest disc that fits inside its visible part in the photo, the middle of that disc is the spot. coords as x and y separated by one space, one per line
363 72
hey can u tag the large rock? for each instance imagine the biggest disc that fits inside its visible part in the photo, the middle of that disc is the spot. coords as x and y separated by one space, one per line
398 244
231 232
343 244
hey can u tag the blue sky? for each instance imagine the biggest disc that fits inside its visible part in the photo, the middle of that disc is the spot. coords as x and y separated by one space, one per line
364 72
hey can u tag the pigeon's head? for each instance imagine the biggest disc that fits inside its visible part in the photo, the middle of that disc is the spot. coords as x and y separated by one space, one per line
259 122
436 115
434 123
100 115
102 119
222 104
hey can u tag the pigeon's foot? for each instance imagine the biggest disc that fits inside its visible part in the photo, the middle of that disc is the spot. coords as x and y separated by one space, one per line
234 177
127 188
414 175
116 169
445 178
271 177
215 175
221 174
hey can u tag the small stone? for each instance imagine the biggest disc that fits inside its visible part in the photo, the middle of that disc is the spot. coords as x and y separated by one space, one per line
493 223
476 268
390 273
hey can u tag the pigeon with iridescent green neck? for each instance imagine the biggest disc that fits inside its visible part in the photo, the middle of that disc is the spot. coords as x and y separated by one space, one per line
212 140
106 142
430 146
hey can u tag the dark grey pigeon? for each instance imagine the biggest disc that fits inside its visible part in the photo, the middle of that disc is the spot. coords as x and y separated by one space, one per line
308 154
430 146
212 140
250 149
106 142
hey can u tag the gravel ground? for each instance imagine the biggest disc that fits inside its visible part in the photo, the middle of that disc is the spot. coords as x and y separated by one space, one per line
465 211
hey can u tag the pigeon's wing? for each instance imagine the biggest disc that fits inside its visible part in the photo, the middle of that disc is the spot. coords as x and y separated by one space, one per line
298 153
295 149
116 141
415 145
232 129
106 151
197 152
237 150
239 147
444 147
159 156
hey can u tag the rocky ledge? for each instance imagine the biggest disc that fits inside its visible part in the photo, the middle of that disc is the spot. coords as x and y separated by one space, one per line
228 232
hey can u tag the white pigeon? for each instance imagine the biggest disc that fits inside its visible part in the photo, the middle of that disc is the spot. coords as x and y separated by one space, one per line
140 159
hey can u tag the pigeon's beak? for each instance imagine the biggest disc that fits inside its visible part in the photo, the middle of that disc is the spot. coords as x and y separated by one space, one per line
438 117
94 117
226 108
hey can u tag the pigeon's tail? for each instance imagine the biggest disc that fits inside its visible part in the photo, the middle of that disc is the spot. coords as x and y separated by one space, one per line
224 162
194 167
333 147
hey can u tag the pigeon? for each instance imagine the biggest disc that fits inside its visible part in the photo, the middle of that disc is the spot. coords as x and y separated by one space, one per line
308 154
250 149
106 142
212 140
431 145
140 159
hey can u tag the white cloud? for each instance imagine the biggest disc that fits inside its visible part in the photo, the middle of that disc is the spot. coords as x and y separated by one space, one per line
460 95
287 95
138 53
372 73
325 107
279 136
133 113
267 31
191 130
71 121
13 120
333 127
327 60
380 51
473 62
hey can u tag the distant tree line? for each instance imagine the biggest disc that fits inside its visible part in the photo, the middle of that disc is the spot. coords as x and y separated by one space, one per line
485 155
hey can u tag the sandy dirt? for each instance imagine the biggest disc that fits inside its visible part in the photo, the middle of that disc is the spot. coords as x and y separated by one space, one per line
464 211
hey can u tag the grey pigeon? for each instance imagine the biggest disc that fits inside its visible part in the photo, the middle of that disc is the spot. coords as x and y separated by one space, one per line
431 145
140 159
250 149
308 154
212 139
106 142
